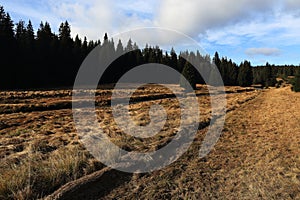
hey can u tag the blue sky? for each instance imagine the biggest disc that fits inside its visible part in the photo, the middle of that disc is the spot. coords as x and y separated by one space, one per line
256 30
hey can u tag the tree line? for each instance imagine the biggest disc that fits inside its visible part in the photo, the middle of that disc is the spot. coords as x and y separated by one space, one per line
43 59
39 60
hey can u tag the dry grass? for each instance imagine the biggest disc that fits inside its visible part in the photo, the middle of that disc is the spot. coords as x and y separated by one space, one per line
40 149
257 157
39 174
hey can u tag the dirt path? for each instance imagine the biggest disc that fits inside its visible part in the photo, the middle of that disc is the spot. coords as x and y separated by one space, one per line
264 135
257 157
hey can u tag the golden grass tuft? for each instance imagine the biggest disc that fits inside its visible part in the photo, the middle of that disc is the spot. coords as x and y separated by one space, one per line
38 174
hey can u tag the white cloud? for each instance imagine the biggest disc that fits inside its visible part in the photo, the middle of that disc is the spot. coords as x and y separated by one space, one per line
281 30
194 17
225 22
263 51
138 6
87 18
93 18
24 11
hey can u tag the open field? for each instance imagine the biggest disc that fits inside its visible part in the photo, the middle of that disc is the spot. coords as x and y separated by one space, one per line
257 155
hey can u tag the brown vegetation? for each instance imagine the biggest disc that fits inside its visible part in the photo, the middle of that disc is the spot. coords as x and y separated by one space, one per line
257 157
40 149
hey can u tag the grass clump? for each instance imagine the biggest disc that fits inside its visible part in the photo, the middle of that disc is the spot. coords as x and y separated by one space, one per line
38 176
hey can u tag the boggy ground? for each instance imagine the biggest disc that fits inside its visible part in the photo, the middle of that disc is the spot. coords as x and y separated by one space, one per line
40 149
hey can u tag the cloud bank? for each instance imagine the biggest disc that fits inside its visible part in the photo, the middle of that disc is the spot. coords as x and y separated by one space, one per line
190 17
194 17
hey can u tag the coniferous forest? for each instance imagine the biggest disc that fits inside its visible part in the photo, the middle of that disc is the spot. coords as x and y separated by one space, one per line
43 59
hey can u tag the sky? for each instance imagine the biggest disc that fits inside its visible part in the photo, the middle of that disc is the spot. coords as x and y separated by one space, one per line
256 30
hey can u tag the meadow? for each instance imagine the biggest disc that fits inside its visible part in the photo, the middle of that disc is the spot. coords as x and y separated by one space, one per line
40 149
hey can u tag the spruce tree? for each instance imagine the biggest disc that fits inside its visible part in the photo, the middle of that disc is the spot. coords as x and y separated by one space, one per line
105 37
129 46
269 78
174 60
30 40
7 51
217 60
245 76
232 73
21 33
66 41
296 85
120 48
189 73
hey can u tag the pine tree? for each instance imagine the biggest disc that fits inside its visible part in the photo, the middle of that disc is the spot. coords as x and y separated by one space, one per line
21 39
223 68
7 51
129 46
77 44
296 85
85 46
232 73
30 38
21 51
20 32
105 37
44 37
6 34
30 56
7 26
217 60
245 76
201 65
269 80
66 41
135 46
174 60
2 13
189 74
46 59
77 51
166 59
66 44
152 57
120 48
